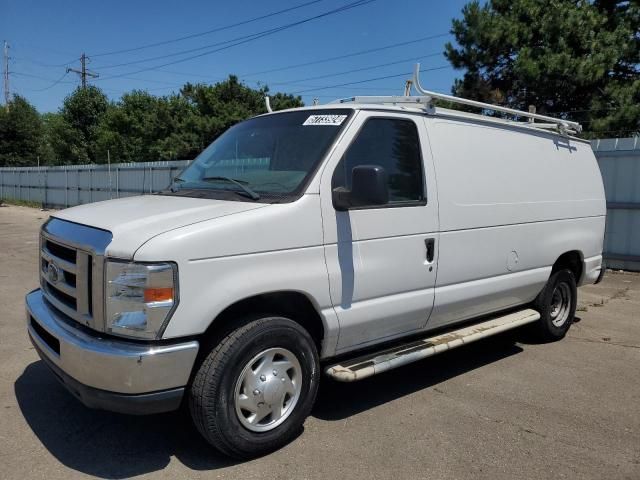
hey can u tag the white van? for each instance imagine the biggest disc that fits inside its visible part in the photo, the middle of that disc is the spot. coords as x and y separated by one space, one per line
348 239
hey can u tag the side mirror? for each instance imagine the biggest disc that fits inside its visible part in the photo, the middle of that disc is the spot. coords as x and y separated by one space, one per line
369 187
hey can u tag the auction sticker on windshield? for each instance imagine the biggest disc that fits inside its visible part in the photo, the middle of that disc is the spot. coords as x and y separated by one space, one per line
325 120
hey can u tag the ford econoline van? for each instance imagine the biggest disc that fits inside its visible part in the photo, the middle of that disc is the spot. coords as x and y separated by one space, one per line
345 239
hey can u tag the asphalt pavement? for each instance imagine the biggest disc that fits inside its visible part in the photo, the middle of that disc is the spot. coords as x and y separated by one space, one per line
502 408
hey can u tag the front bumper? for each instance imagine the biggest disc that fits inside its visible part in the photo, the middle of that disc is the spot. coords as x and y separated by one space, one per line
108 373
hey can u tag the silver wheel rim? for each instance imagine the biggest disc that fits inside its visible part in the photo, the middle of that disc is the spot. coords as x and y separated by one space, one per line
268 389
560 304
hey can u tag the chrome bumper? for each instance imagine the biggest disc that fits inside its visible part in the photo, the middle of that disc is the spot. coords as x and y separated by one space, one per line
104 366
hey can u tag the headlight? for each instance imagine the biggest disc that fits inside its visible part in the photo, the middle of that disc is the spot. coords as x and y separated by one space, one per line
139 298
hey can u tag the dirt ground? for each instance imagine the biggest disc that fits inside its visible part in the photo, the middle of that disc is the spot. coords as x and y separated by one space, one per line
502 408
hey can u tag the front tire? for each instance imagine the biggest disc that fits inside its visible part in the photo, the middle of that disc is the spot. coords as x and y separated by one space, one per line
557 306
255 389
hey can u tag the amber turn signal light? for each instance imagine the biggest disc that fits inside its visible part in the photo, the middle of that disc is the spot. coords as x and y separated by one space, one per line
158 295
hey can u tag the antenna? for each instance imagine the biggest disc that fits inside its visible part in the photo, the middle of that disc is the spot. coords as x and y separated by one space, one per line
407 88
268 103
563 125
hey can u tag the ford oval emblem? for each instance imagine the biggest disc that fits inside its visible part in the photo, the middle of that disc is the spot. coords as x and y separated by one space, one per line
53 273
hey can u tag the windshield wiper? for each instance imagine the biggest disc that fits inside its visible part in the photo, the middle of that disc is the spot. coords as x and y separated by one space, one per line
176 180
253 195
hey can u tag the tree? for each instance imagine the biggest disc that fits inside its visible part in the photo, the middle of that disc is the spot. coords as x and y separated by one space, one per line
143 127
139 127
20 130
74 132
227 103
574 59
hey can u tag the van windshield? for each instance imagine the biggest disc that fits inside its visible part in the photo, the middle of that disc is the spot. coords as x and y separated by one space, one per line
268 158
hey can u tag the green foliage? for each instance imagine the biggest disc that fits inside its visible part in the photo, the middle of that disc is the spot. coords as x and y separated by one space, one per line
224 104
139 127
575 59
76 129
143 127
20 130
134 128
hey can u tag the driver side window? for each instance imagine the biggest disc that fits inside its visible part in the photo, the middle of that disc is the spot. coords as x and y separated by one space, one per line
394 145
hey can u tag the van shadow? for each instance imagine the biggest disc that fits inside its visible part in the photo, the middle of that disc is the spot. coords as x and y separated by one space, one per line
109 445
337 401
105 444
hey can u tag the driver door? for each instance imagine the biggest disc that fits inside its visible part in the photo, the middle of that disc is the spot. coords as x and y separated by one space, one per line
382 260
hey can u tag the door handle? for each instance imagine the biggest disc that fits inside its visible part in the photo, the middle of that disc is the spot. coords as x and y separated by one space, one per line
430 243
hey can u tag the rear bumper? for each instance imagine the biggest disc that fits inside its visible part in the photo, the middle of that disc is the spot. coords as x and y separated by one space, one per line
106 373
603 269
593 270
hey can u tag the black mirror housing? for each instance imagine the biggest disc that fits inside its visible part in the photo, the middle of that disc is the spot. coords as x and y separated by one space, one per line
369 187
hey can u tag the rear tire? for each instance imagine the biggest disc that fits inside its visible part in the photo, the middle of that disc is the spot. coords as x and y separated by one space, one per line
255 389
557 306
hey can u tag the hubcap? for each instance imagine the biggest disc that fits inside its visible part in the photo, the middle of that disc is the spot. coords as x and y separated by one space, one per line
268 389
560 304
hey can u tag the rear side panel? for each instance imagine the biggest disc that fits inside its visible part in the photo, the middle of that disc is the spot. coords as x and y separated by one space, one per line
511 202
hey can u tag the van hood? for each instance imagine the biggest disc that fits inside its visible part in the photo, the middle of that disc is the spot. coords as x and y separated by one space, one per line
135 220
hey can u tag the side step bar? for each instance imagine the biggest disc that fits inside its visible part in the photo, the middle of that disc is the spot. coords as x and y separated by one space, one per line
362 367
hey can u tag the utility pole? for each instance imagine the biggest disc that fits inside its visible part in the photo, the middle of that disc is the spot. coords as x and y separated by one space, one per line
6 73
83 72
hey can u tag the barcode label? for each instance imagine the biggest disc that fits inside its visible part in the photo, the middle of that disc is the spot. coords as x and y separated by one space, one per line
325 120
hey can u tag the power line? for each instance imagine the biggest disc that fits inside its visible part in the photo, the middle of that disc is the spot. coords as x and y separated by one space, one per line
55 82
297 83
241 40
370 80
22 74
200 34
362 69
324 60
348 55
42 64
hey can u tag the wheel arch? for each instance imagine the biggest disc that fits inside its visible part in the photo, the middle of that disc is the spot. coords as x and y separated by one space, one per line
572 260
293 304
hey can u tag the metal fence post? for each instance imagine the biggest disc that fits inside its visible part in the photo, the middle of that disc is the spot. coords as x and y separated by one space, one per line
46 182
66 187
117 182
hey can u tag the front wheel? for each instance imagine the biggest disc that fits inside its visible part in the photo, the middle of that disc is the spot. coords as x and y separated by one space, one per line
557 306
254 389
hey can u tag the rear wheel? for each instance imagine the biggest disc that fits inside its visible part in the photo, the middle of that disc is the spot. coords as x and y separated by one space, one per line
557 306
254 389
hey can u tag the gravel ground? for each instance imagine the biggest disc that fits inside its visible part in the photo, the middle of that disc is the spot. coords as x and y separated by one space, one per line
501 408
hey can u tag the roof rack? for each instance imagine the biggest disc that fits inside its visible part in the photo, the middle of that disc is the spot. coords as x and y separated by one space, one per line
425 101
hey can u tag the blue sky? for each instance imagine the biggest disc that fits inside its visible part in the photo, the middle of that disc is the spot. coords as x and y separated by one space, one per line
44 36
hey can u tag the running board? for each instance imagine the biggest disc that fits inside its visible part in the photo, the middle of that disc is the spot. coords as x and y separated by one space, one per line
362 367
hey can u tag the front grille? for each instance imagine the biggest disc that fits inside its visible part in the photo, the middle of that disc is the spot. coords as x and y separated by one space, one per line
65 277
60 251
